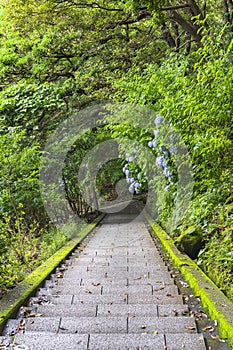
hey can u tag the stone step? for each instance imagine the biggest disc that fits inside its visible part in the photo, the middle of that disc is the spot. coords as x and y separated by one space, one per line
117 283
94 310
118 260
107 299
48 299
48 341
124 281
146 342
132 277
160 299
114 293
142 310
119 253
105 324
132 290
79 299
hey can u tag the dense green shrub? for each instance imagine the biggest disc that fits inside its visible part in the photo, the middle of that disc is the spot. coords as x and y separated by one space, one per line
57 57
194 93
22 250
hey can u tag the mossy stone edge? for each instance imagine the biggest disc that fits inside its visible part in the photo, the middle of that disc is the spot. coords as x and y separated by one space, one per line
219 307
13 300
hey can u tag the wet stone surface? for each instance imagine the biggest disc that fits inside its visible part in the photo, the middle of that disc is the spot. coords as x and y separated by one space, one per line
114 292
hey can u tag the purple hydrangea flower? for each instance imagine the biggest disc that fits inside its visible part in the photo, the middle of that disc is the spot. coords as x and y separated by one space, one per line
164 150
131 188
150 144
155 143
166 172
160 162
170 179
158 120
173 149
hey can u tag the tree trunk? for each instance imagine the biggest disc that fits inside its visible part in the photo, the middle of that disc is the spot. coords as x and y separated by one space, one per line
196 11
167 36
228 8
188 27
177 35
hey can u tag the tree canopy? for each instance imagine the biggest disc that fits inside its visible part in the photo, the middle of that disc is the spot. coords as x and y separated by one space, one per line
59 57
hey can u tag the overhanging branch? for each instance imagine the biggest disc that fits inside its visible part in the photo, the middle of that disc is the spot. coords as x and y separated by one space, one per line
90 5
176 7
130 20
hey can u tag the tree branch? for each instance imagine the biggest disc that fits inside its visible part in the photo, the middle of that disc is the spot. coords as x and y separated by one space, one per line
96 5
204 9
92 5
130 20
231 4
176 7
168 36
189 28
196 11
226 9
184 44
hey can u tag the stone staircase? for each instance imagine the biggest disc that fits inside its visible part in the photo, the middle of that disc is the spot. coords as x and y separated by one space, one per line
117 293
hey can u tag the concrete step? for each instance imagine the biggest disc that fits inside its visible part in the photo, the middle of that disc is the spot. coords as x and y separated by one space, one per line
48 341
113 274
131 291
146 342
104 324
120 283
94 310
117 293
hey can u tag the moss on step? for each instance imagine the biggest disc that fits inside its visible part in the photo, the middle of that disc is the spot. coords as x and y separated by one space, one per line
190 242
219 307
11 302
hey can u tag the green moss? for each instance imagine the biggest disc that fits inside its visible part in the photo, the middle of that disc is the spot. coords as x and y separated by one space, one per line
11 302
190 242
217 304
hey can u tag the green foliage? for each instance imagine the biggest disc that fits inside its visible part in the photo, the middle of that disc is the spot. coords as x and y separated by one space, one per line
49 242
108 177
31 106
23 248
59 56
18 250
190 242
217 260
19 176
194 93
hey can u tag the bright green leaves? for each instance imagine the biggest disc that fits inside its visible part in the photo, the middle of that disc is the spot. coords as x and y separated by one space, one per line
32 106
198 102
59 56
19 175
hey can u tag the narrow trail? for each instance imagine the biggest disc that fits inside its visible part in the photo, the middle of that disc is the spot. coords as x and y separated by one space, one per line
116 293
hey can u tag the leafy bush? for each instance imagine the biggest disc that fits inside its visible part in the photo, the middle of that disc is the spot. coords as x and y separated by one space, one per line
22 250
194 93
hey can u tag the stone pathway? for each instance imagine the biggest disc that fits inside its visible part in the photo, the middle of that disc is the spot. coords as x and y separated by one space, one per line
116 294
